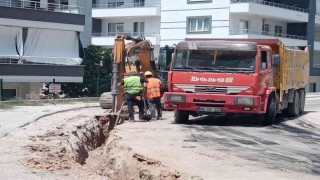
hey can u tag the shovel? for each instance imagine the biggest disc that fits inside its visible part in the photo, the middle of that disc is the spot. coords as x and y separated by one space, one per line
147 112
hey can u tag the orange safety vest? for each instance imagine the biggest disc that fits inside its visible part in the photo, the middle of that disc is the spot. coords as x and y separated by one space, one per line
153 88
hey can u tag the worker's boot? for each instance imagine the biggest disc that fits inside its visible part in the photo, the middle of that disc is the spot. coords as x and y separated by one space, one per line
131 119
159 114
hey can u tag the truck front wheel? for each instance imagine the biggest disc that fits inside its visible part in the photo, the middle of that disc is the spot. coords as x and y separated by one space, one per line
271 112
181 117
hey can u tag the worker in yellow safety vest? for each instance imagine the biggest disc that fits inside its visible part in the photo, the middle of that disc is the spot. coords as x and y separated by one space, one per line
132 86
153 94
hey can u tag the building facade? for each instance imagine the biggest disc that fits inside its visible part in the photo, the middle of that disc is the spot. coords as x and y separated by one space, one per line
40 43
167 22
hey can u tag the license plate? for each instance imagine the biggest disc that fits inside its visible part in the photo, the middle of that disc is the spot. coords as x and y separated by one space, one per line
209 109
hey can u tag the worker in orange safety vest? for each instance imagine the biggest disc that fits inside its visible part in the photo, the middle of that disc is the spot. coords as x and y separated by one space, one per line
153 94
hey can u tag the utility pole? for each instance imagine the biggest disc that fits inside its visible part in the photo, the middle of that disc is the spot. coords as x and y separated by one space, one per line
311 26
97 92
1 87
98 81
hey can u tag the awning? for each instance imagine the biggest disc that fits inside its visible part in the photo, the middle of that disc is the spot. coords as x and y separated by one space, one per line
52 46
10 42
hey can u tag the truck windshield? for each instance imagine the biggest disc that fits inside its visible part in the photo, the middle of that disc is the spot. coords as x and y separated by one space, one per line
214 60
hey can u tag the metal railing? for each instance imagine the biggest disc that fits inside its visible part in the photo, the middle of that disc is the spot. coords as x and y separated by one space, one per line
9 61
41 6
135 34
265 33
24 62
316 66
268 3
111 5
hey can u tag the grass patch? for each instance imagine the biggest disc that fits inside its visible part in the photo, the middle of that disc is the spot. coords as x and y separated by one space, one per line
5 106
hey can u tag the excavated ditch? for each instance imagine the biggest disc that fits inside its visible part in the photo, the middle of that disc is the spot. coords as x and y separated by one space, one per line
92 147
114 160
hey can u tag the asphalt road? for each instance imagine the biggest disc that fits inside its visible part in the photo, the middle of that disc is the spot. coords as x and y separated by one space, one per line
288 145
207 147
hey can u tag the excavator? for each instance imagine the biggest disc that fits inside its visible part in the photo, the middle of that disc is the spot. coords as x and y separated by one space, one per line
128 58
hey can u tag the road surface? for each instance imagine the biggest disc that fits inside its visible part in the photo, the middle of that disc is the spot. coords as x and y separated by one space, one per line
202 149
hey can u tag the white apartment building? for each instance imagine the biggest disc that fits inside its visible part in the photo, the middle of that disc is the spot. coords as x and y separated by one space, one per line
133 17
39 44
166 22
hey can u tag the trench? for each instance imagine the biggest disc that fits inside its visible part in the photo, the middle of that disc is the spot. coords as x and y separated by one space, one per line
98 150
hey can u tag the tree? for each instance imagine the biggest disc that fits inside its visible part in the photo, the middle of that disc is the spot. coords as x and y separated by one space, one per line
98 67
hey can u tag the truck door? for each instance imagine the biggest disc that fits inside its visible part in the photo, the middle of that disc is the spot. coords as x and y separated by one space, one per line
265 70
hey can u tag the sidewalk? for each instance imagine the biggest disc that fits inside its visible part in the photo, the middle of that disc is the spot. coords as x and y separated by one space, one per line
10 119
313 95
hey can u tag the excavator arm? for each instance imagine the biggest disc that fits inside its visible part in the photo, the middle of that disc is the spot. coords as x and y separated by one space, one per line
123 52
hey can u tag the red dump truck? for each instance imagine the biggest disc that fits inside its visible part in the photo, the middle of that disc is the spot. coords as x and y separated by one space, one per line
258 77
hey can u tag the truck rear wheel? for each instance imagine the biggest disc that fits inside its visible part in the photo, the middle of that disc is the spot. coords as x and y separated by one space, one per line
293 108
271 112
181 117
302 96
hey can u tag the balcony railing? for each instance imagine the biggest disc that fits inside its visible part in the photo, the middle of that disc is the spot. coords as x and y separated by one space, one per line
134 34
316 65
41 6
24 62
268 3
125 5
265 33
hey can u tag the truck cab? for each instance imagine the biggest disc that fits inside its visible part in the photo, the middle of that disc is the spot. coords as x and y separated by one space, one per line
222 77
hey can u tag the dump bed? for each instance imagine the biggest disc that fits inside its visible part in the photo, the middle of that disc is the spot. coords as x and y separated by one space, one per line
292 71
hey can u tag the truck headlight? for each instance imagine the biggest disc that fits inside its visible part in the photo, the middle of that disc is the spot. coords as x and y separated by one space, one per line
243 100
176 98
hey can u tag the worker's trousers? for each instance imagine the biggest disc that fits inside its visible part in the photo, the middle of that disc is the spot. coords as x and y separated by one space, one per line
131 101
155 103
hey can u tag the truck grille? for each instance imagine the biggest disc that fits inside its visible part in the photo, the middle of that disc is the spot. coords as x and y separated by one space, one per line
211 89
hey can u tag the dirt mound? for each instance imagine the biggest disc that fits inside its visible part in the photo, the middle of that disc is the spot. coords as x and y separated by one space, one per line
121 162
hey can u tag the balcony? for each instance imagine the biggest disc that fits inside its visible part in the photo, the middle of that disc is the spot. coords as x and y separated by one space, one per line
288 39
107 39
12 71
123 9
41 6
263 8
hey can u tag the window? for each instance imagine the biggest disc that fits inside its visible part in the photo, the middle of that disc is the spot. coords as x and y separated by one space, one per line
265 29
138 29
115 4
198 1
316 59
312 87
244 26
200 24
9 93
64 2
138 3
115 28
263 60
278 31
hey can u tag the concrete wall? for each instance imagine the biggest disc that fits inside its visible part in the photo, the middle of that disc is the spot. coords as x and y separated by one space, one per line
314 79
151 24
22 89
174 19
86 9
